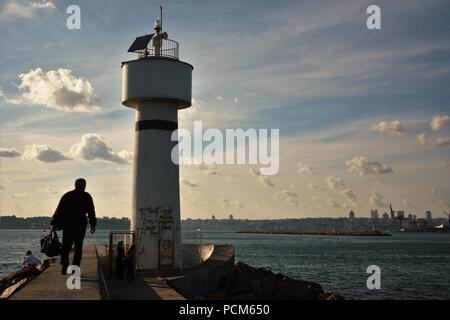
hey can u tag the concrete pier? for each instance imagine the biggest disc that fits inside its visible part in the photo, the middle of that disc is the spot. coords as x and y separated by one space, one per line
51 285
205 266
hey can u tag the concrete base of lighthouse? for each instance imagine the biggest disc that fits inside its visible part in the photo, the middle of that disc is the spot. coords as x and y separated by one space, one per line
155 216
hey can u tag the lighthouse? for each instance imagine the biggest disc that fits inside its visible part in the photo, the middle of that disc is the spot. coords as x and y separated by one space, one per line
157 84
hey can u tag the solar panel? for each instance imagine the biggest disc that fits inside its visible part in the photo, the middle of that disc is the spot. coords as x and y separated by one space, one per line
141 43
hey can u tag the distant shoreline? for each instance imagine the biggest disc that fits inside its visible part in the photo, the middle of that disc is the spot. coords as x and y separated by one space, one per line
375 233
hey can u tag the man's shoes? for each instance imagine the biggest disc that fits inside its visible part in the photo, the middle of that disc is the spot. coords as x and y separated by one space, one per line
64 269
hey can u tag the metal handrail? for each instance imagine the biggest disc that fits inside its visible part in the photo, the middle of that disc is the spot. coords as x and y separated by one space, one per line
111 247
161 48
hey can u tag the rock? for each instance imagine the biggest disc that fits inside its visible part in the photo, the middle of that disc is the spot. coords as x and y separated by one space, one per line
247 282
330 296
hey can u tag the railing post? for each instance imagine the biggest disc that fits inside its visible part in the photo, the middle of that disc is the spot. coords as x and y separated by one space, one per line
110 253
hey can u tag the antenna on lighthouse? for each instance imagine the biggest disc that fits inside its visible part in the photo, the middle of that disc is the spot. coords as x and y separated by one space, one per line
160 17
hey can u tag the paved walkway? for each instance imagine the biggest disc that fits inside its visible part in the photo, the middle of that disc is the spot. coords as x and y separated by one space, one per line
143 287
51 285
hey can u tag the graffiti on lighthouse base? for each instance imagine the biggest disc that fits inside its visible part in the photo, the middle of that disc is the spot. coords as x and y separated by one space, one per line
149 228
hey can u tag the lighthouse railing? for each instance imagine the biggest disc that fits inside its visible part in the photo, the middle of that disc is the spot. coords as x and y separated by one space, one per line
165 48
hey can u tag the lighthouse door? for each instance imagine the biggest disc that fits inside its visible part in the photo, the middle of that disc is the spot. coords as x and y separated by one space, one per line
166 251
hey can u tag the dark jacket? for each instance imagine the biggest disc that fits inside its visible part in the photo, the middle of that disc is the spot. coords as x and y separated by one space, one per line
72 209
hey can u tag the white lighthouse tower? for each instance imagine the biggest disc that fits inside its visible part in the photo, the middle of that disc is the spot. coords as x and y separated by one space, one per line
156 85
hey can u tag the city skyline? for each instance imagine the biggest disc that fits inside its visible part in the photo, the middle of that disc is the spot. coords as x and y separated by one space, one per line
363 114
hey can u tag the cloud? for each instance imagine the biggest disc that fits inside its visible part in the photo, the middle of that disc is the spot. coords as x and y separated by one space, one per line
333 203
376 200
59 90
264 180
236 100
93 147
334 183
311 186
118 200
439 123
15 9
350 196
189 183
43 153
408 204
19 195
9 153
393 127
227 203
44 5
361 166
208 169
304 168
422 138
446 167
51 191
317 199
443 141
289 197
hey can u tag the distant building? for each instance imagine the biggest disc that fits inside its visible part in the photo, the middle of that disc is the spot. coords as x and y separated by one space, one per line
374 214
401 215
231 217
428 216
351 215
385 216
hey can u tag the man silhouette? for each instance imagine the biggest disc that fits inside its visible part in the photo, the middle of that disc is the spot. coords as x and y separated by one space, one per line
70 216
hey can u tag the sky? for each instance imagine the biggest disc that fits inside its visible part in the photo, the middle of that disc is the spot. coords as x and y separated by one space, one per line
364 115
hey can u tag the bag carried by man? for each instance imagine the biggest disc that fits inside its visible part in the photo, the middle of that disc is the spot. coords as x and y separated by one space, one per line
50 244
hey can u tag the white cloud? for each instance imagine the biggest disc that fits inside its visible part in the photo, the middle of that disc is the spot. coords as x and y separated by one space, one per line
50 190
317 199
446 166
264 180
289 197
227 203
311 186
43 153
220 98
236 100
443 141
304 168
333 203
15 9
9 153
422 137
334 183
408 204
44 5
93 147
440 122
350 196
118 200
376 200
393 127
361 166
59 90
19 195
188 183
